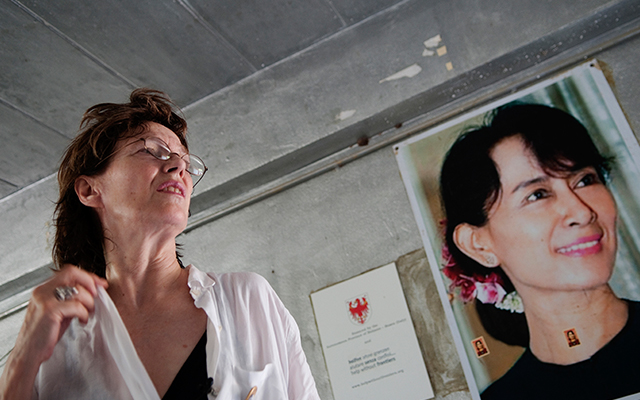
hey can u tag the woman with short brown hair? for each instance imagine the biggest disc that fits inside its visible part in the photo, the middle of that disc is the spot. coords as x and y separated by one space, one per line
160 329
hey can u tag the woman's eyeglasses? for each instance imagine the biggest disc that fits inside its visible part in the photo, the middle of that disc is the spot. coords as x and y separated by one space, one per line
160 150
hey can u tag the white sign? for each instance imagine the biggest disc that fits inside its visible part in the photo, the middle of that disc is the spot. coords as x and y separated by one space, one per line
368 340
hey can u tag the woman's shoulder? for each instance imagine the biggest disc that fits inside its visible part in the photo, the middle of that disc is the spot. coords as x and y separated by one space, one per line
626 340
238 291
624 346
249 292
244 287
634 310
243 281
510 385
532 379
610 373
228 280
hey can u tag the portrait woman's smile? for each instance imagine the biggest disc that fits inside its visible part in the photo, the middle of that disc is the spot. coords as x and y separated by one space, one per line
550 232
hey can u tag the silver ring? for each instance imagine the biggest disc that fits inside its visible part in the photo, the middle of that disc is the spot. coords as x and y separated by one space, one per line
64 293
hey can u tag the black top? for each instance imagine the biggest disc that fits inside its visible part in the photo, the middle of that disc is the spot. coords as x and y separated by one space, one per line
192 382
611 373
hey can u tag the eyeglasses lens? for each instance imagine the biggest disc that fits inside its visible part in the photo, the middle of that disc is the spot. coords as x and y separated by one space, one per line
195 166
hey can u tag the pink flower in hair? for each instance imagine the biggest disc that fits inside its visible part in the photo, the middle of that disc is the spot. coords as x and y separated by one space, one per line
486 288
490 292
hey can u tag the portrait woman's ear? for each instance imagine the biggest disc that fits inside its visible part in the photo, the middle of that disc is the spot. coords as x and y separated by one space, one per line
88 194
474 243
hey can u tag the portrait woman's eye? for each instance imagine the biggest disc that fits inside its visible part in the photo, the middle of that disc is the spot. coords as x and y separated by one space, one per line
587 178
538 194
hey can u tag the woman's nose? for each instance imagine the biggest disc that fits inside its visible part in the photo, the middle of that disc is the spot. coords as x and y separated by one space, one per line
577 211
175 163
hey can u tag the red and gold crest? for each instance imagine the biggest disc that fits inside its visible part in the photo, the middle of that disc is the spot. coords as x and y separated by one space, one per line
359 309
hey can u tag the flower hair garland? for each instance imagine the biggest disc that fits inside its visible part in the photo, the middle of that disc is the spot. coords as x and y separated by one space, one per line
488 289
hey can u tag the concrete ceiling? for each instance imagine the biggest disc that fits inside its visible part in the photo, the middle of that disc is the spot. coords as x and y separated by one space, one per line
59 58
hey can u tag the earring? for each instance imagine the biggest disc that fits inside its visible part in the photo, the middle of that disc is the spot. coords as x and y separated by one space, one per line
491 259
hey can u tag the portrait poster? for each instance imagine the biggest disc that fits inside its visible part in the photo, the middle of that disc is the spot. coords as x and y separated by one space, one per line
368 340
583 92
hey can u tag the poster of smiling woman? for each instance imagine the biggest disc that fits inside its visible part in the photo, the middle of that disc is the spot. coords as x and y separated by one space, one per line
529 210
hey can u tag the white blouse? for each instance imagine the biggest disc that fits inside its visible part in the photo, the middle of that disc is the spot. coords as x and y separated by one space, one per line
252 341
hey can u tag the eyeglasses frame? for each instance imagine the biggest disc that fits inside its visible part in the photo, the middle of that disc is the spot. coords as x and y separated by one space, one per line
166 146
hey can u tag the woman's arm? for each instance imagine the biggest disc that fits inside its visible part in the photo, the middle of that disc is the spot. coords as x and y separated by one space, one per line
46 321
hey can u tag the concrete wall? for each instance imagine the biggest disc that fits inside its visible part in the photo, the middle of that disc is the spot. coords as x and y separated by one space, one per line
345 218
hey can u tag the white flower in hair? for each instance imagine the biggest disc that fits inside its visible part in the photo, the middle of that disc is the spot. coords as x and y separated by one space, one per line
511 302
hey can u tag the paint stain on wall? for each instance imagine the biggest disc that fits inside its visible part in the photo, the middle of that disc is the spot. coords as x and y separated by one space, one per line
430 44
434 46
345 114
408 72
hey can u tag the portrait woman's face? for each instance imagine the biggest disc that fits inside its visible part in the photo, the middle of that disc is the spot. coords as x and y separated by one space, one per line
549 233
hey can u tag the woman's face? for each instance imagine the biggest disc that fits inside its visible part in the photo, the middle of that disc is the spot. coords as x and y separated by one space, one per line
137 190
550 233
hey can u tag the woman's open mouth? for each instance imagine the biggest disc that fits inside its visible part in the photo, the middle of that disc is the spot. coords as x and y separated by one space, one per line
172 187
583 246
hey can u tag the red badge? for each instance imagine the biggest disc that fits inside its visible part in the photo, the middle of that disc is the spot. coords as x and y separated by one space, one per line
480 347
359 309
572 337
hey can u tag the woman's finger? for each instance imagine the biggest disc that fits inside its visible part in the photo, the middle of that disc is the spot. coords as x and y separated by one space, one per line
73 276
85 299
74 309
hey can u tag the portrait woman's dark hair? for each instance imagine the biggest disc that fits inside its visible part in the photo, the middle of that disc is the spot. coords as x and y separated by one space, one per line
470 184
79 238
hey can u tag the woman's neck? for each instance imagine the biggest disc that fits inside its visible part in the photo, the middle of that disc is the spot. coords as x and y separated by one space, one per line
142 272
595 316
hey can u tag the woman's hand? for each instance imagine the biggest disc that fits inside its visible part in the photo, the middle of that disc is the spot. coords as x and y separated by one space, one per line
46 321
48 317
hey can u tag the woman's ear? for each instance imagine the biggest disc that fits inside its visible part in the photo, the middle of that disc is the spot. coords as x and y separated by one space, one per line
87 192
472 241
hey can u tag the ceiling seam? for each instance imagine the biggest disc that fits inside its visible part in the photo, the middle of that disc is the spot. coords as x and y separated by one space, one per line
8 183
75 44
32 118
335 10
28 187
195 14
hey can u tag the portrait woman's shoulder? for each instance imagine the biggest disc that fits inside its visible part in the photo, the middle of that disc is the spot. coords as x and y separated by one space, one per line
634 314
